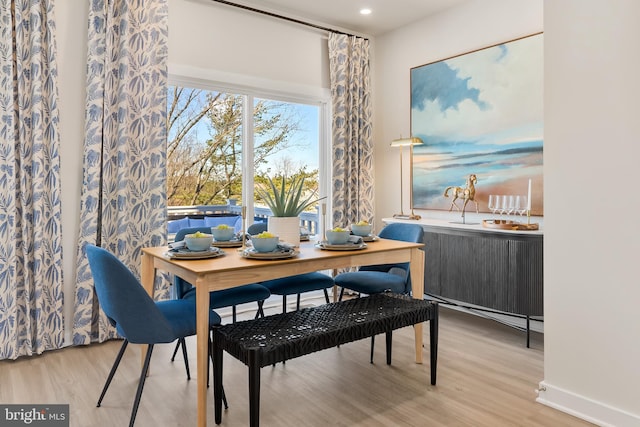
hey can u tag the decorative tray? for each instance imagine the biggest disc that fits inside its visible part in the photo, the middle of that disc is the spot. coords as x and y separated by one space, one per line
344 247
505 224
280 253
184 253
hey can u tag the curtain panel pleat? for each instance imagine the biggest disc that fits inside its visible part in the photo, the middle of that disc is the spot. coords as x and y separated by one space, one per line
123 200
31 297
352 173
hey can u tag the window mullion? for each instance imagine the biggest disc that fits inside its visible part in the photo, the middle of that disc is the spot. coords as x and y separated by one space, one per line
248 143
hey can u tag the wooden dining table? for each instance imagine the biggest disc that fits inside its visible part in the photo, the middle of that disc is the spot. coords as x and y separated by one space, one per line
233 269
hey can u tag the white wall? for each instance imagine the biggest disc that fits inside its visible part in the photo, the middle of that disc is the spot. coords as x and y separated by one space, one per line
470 26
592 60
592 332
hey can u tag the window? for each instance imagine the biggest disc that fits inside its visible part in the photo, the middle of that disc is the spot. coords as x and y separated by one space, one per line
222 143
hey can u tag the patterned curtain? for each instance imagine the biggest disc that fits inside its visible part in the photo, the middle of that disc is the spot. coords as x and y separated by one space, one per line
31 316
352 177
123 201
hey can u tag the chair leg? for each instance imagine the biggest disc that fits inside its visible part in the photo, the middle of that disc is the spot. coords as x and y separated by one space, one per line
298 302
341 294
113 371
260 312
175 351
284 303
234 316
143 377
183 343
326 295
389 335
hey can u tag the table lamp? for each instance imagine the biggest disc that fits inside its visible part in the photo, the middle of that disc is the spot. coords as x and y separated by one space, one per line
410 142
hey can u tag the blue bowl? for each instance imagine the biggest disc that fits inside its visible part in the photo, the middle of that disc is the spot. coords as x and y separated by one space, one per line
361 230
223 234
198 243
265 244
337 237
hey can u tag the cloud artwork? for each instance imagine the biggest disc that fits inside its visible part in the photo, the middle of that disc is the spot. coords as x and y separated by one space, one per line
481 113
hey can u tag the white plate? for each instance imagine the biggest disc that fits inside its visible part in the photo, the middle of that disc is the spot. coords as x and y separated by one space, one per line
184 253
227 244
346 247
277 254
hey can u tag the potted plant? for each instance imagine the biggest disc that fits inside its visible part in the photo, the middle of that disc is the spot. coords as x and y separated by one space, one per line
286 204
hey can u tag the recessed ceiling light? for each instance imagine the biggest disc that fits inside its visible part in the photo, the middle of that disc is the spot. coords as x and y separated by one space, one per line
365 11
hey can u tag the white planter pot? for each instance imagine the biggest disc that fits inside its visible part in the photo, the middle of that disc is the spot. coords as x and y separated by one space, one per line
287 228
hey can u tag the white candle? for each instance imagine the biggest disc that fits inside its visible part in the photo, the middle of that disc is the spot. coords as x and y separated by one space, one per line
529 197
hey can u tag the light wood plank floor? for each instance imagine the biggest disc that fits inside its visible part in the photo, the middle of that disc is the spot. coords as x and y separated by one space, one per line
486 377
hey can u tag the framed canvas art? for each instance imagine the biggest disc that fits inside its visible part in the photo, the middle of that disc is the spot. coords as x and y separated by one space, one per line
479 113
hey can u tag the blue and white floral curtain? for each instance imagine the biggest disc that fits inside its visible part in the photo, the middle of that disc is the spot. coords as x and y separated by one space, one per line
352 175
123 201
31 316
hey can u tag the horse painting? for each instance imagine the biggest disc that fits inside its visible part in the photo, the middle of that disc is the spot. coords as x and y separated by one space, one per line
467 193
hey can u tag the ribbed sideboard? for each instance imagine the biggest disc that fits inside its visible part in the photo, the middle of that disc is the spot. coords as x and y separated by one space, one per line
495 269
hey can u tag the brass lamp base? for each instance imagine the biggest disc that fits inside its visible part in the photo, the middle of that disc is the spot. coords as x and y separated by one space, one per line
404 216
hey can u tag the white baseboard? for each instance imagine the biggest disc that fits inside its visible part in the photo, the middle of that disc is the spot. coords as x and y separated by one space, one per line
587 409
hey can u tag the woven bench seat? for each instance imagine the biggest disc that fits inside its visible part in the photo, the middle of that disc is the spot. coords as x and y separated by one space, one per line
265 341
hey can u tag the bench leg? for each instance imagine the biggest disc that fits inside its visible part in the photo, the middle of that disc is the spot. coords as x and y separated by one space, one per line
254 389
433 343
389 335
217 382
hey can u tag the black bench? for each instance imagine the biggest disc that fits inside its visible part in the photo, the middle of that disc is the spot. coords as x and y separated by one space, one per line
265 341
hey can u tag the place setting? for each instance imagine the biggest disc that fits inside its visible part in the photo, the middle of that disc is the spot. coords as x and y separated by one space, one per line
364 229
267 246
225 236
194 246
340 239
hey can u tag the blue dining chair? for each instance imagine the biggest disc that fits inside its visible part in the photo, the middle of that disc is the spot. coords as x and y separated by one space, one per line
231 297
293 285
373 279
136 316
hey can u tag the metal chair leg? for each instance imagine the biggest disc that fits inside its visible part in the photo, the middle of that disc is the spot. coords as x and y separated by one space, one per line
326 295
183 343
175 351
113 371
143 377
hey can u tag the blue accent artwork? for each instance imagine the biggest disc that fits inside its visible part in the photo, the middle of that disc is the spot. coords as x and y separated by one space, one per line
481 113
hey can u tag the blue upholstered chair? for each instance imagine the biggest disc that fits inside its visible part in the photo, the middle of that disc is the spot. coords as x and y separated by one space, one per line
293 285
135 315
217 299
373 279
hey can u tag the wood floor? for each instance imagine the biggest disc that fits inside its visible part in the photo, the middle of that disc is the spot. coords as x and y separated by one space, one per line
486 377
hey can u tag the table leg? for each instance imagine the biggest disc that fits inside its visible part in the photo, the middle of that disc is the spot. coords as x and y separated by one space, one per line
202 334
417 290
147 280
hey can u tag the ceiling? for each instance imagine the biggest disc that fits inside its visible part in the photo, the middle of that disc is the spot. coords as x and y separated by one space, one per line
345 15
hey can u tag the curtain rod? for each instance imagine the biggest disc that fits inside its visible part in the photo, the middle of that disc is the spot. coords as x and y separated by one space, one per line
286 18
